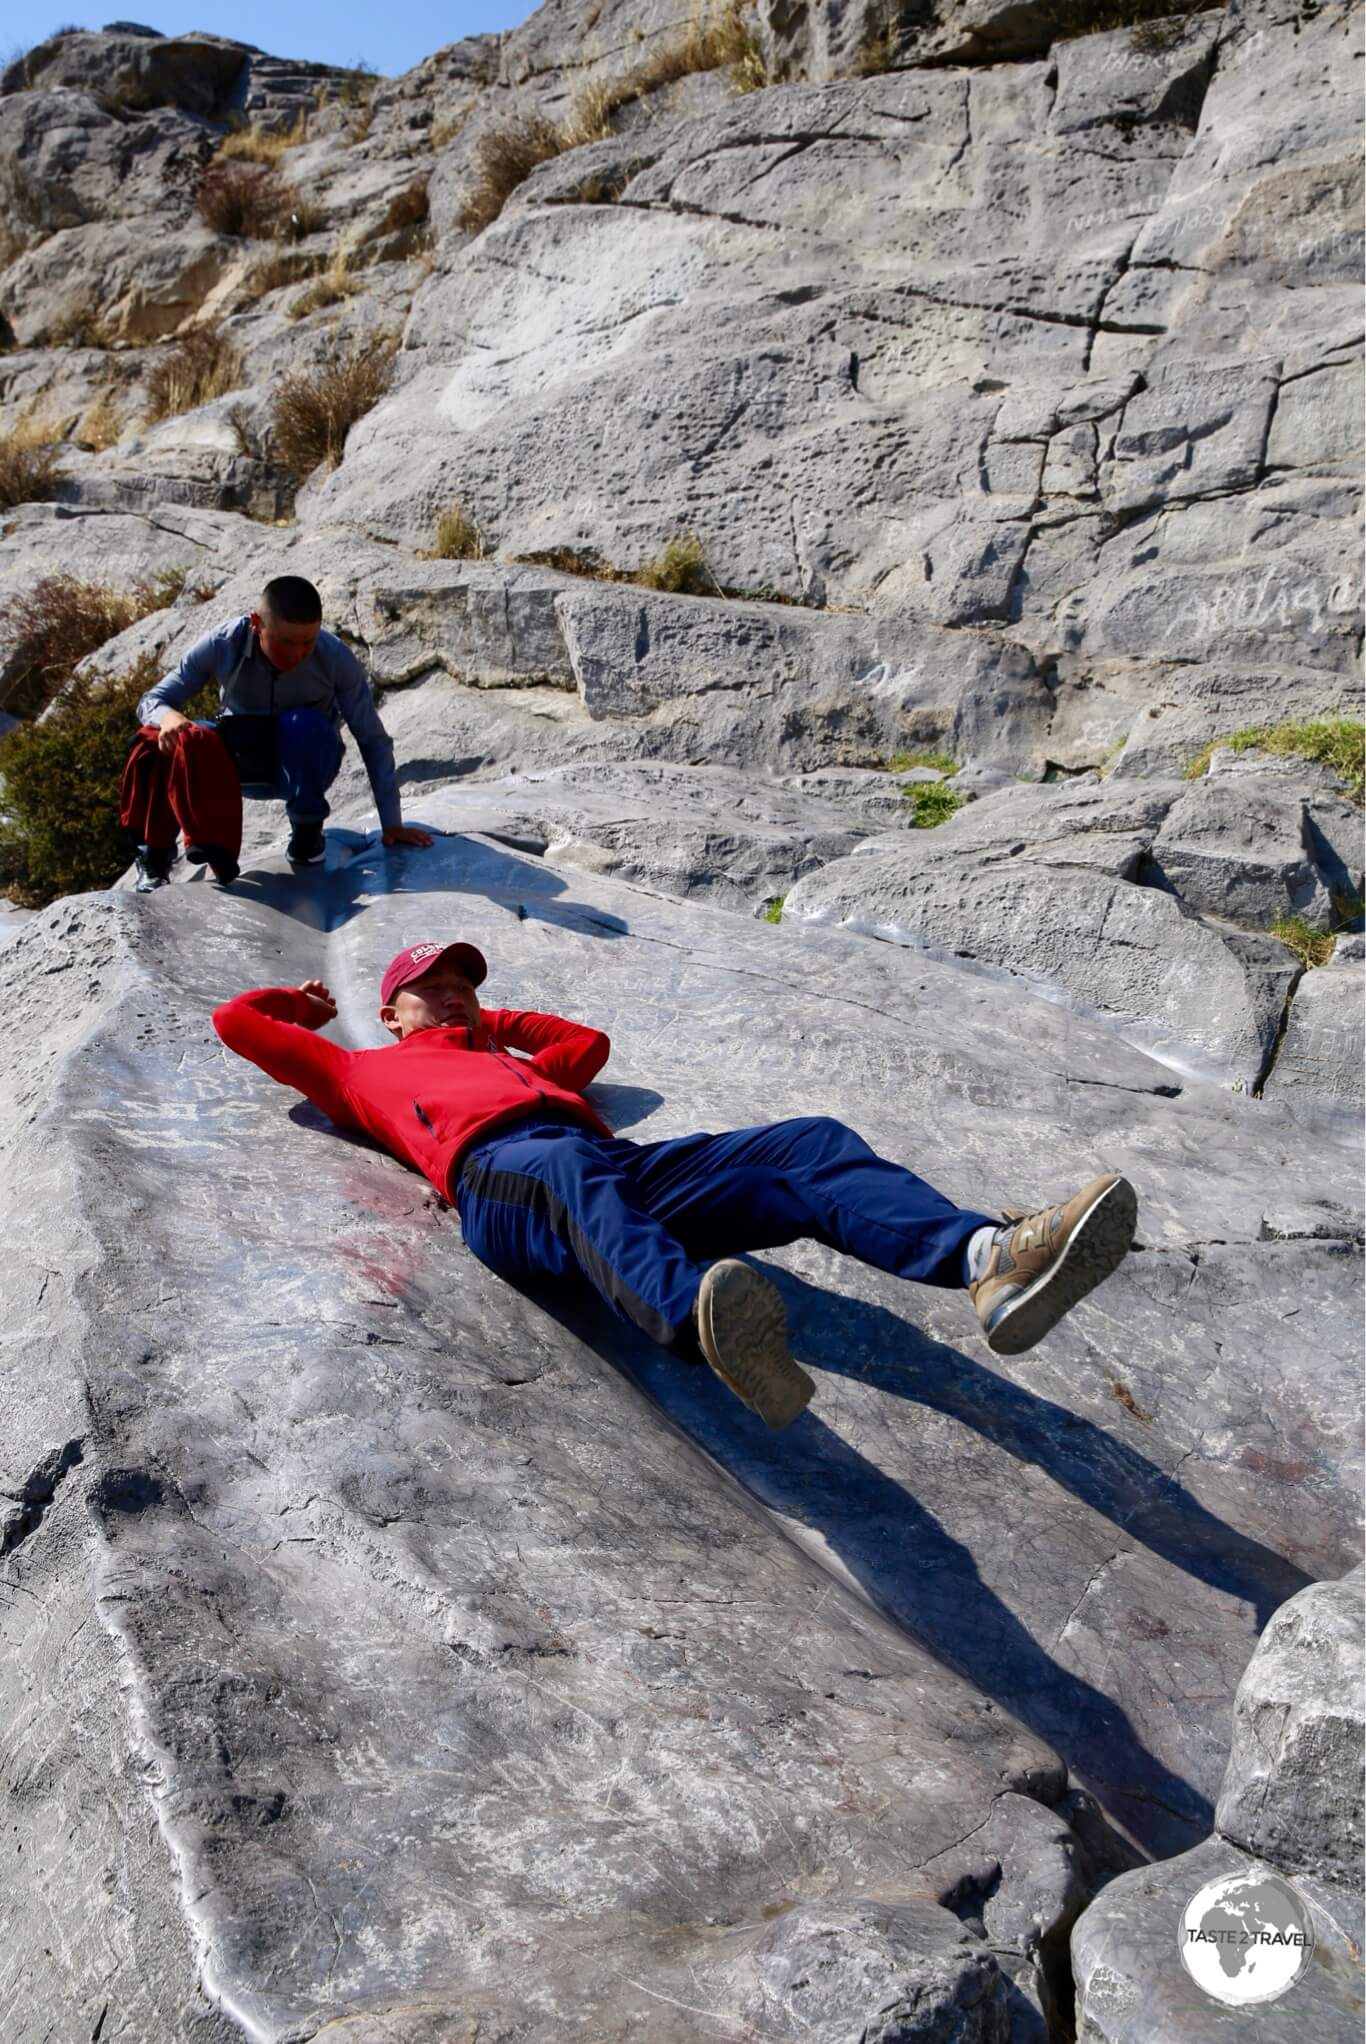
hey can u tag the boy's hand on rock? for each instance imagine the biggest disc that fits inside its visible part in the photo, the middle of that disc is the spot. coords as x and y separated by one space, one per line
322 1009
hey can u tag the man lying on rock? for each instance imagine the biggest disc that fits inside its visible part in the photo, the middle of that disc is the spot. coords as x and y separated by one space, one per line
543 1187
285 687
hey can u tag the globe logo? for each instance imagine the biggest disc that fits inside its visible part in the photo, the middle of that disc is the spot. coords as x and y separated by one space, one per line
1246 1938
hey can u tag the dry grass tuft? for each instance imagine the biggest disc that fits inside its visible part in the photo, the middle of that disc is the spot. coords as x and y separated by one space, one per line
458 538
257 145
100 427
315 409
29 466
330 287
509 154
679 568
202 365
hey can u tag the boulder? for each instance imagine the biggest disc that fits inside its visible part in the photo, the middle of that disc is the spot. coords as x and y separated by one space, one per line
1290 1807
1319 1061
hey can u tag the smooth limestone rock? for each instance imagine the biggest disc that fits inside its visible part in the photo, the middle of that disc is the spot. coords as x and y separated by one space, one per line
1291 1803
467 1634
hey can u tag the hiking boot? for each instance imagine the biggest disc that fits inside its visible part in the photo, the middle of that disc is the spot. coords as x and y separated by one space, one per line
222 863
1040 1265
154 863
742 1329
306 846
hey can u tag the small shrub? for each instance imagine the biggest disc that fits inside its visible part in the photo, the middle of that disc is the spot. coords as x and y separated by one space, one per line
458 538
507 156
1339 743
52 626
931 803
257 145
315 409
29 467
1311 947
679 569
358 86
773 910
330 287
942 762
202 365
252 202
59 789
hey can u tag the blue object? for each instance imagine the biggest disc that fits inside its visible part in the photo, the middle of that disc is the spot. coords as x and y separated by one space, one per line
641 1220
330 683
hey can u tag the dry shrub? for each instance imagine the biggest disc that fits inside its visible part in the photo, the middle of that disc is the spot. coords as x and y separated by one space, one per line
407 208
202 365
330 287
507 156
50 628
29 466
252 202
315 409
256 145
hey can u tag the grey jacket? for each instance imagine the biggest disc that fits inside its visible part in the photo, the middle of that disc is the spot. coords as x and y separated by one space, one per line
331 680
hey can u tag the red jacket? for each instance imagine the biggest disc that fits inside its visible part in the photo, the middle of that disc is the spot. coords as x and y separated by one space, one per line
439 1090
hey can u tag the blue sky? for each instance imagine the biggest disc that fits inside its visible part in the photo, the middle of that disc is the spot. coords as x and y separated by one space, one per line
391 38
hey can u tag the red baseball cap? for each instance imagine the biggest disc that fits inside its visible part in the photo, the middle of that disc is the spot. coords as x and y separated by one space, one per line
420 958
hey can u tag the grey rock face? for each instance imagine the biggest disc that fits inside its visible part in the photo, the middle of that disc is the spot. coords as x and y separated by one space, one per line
1319 1060
1096 896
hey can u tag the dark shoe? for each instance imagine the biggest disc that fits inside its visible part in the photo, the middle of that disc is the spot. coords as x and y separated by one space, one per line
225 867
154 863
306 846
1042 1265
742 1329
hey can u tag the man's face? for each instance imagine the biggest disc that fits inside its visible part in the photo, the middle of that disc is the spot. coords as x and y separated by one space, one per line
285 646
442 999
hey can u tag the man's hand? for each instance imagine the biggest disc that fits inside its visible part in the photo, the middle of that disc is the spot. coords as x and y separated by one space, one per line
322 1008
169 729
406 834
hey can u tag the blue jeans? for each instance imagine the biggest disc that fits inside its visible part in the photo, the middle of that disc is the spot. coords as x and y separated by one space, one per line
310 757
641 1220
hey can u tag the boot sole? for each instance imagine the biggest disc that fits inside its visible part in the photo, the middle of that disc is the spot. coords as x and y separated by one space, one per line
1096 1247
743 1331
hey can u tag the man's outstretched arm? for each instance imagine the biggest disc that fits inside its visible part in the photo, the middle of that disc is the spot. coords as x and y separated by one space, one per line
273 1027
567 1053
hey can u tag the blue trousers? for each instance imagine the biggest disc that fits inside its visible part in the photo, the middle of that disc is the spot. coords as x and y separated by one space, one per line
310 755
641 1220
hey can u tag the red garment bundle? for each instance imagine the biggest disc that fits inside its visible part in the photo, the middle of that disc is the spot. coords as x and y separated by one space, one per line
193 788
